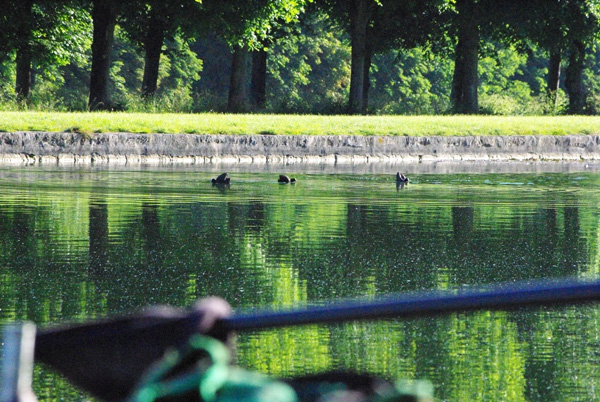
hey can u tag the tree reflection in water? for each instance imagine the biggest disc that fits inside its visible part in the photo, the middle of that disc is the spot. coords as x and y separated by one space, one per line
107 242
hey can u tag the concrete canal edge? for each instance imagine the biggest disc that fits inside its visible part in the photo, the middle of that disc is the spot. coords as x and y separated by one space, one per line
131 149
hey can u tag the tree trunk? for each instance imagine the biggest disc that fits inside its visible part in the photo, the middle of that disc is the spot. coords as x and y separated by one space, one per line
554 77
237 101
465 80
104 17
155 37
359 19
574 78
366 81
23 79
258 82
554 71
24 53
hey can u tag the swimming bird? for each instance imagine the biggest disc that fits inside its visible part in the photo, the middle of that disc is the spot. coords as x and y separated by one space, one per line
221 179
400 178
285 179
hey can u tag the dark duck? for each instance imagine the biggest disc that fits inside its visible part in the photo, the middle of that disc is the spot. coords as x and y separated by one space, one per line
221 179
285 179
400 178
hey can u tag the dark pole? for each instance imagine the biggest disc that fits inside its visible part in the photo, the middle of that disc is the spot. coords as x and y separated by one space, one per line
492 297
499 297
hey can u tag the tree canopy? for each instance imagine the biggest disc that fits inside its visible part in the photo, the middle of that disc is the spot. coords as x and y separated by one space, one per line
350 56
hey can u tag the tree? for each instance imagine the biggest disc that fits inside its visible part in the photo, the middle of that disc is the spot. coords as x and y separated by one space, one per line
148 23
258 79
377 26
247 25
41 33
466 55
24 49
155 36
237 100
104 18
309 71
564 28
17 37
360 16
401 26
475 24
583 27
354 16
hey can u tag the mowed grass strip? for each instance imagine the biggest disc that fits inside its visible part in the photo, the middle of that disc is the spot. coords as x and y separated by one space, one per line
240 124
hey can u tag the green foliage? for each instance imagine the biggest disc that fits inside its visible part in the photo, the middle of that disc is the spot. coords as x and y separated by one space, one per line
66 39
497 72
251 23
54 31
58 34
7 79
72 95
309 72
500 91
181 66
410 82
591 77
179 69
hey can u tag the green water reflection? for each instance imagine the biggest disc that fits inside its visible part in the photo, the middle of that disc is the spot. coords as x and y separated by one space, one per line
77 244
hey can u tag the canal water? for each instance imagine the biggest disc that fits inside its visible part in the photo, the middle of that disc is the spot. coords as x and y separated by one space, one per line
77 244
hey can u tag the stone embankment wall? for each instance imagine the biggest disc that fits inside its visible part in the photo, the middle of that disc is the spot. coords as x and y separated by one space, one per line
123 148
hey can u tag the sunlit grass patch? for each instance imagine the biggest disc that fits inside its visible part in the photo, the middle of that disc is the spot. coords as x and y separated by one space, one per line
266 124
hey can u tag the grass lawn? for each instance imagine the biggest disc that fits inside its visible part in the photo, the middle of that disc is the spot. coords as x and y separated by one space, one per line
210 123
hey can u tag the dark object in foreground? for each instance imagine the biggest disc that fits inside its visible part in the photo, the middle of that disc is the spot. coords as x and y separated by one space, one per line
285 179
345 386
223 178
202 371
400 178
108 358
